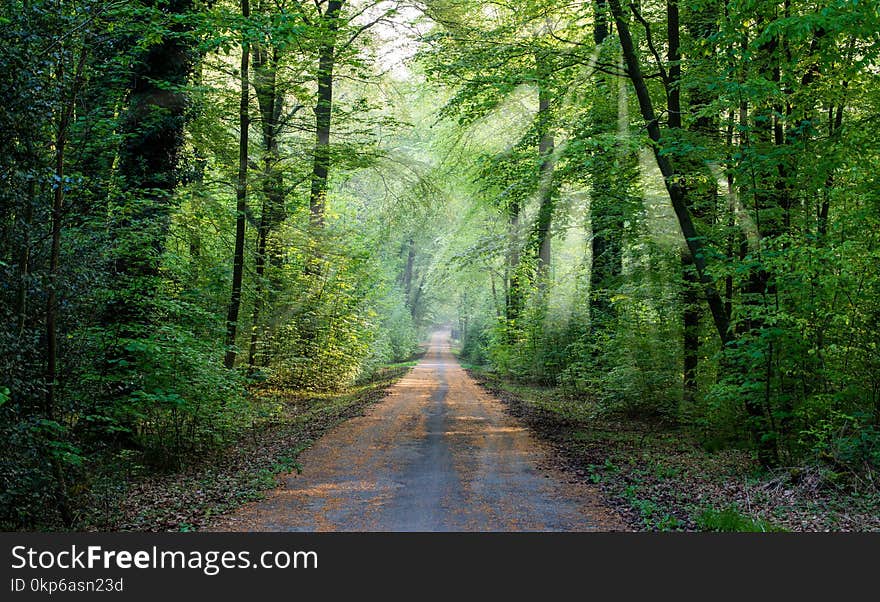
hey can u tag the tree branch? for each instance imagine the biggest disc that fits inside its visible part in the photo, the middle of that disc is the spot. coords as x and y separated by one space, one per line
663 75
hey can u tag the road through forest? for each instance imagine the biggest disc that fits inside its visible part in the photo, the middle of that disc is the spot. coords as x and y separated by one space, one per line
437 454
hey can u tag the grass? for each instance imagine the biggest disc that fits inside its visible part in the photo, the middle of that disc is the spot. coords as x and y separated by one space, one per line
731 520
399 365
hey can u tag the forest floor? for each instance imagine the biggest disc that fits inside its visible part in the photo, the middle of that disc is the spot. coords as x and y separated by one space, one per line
191 498
659 478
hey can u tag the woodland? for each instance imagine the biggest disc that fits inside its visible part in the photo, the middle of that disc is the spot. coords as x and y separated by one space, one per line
664 213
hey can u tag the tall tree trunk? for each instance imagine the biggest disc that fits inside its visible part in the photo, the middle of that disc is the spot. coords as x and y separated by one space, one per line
62 128
691 327
270 101
701 196
690 313
414 309
54 261
546 188
610 183
513 283
600 21
408 270
259 273
240 197
148 160
24 255
835 121
323 113
539 242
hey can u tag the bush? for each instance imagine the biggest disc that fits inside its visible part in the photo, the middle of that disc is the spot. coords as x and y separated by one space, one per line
849 443
631 369
401 334
476 346
27 486
168 394
327 322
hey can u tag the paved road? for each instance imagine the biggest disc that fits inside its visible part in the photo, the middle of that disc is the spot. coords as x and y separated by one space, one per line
437 454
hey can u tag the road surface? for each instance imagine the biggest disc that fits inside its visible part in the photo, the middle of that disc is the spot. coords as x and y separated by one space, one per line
437 454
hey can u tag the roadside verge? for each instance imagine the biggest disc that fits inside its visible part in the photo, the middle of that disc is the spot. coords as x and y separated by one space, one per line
190 499
659 478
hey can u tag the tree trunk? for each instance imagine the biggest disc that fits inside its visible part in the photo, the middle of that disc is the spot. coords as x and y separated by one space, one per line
690 313
513 299
671 177
323 113
270 101
54 265
691 328
153 134
600 22
546 189
24 255
414 309
408 270
609 189
259 269
240 199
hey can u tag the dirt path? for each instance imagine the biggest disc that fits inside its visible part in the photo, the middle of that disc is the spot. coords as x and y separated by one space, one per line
438 454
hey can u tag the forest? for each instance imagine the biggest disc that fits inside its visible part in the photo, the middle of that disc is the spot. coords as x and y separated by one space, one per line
661 216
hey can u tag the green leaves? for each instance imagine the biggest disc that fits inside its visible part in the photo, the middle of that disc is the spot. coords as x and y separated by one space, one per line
731 519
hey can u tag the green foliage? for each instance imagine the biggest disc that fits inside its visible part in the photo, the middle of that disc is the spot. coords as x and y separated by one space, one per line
331 323
850 444
652 514
439 199
785 208
730 519
26 481
398 337
476 344
142 270
179 399
628 370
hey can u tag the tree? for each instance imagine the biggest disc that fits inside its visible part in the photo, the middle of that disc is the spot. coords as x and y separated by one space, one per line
241 191
329 21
